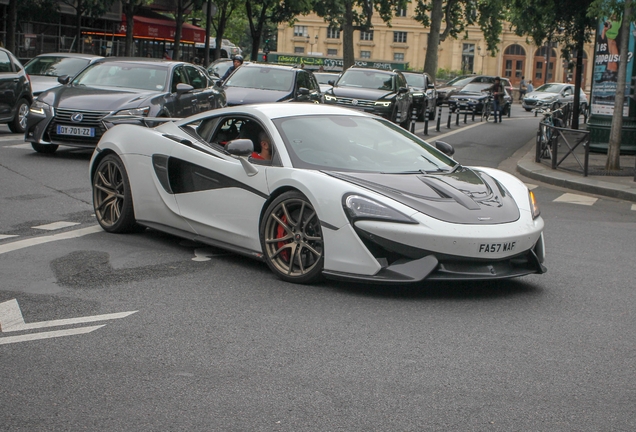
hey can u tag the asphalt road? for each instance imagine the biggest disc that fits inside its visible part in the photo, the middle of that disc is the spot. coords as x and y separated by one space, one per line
217 343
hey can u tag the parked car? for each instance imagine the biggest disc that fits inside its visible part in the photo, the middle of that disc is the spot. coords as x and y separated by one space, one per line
473 97
75 113
326 79
377 91
424 93
552 94
262 82
450 89
345 195
16 96
45 69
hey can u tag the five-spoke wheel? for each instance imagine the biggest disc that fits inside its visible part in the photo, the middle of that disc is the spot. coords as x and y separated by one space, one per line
112 199
291 238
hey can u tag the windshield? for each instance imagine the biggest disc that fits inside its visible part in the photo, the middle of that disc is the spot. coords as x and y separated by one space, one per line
457 79
55 66
475 87
550 88
264 78
126 75
362 144
366 79
219 68
325 77
415 80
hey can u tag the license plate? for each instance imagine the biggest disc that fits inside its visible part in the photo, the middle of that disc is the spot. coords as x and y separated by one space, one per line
77 131
489 248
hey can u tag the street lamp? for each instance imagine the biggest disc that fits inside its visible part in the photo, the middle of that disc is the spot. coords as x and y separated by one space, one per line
312 43
482 58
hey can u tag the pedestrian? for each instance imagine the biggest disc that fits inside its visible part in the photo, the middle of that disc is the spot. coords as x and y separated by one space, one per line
523 87
498 92
530 88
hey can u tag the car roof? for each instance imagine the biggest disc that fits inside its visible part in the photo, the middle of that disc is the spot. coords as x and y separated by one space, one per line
139 60
270 65
372 69
70 55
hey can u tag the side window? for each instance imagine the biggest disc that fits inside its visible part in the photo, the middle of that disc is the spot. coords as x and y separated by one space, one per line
5 63
17 66
178 77
196 78
401 81
312 83
303 80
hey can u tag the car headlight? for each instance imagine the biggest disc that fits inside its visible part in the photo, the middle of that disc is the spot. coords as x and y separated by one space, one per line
38 107
330 98
383 103
534 205
142 111
418 94
360 207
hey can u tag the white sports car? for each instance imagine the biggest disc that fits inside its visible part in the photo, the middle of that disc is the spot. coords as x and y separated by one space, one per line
318 190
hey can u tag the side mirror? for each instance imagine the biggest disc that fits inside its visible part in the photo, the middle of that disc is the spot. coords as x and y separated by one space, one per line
331 82
183 88
445 148
64 79
430 86
240 147
303 91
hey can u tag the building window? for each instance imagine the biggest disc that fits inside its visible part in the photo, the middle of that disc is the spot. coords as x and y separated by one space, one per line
398 57
399 37
332 52
401 12
299 50
365 54
300 31
366 35
333 33
468 58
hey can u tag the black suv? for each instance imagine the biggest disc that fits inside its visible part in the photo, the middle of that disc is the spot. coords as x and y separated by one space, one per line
424 93
261 83
377 91
15 97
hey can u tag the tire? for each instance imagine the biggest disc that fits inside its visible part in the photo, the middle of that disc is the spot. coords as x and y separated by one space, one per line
291 238
528 109
44 148
19 122
485 112
112 197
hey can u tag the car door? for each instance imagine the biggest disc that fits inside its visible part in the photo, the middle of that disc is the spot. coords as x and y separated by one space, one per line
10 86
185 104
217 196
567 95
200 83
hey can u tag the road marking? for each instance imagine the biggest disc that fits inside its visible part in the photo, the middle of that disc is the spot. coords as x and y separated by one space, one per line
576 199
634 207
55 226
48 335
21 244
421 131
6 236
531 186
12 138
11 318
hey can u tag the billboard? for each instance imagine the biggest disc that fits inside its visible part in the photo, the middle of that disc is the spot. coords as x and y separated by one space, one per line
606 60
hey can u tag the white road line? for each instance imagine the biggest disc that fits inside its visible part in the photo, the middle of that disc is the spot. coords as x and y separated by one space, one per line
12 137
634 207
11 318
6 236
48 335
56 225
576 199
531 186
21 244
26 146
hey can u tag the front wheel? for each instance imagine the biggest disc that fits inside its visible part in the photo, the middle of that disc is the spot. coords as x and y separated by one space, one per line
291 238
44 148
112 196
19 122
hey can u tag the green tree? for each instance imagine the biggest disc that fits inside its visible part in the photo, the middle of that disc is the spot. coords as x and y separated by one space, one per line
221 21
624 8
130 8
456 15
351 15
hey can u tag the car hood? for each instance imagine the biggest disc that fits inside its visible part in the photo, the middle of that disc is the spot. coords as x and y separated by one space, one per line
360 93
542 95
472 95
94 98
446 89
244 96
42 83
464 196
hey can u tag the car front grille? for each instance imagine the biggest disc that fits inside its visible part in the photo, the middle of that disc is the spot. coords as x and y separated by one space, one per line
355 102
90 119
530 102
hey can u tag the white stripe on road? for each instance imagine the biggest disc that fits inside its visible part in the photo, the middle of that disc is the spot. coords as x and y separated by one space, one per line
6 236
21 244
634 207
48 335
56 226
576 199
12 137
26 146
531 186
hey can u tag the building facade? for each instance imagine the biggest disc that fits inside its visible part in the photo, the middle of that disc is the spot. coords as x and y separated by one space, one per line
406 41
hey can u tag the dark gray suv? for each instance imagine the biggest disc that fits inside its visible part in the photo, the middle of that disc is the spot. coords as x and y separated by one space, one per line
15 97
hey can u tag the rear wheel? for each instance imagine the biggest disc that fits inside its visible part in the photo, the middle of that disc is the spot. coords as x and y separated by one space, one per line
291 238
44 148
112 197
19 122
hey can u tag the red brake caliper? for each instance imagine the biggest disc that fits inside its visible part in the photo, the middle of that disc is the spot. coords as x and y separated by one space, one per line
280 233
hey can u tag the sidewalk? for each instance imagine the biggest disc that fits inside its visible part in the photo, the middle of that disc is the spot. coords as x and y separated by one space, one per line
621 187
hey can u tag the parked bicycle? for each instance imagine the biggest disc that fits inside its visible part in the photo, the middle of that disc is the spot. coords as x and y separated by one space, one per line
487 108
551 118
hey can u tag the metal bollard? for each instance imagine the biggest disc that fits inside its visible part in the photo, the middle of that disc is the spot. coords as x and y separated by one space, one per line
465 116
450 113
439 119
536 112
457 119
473 113
398 116
413 119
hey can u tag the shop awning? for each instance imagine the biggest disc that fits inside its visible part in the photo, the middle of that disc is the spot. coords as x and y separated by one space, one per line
162 29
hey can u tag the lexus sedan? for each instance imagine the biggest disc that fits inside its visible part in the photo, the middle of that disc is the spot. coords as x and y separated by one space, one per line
381 92
45 69
77 112
340 194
